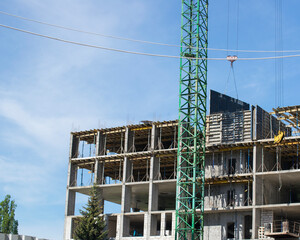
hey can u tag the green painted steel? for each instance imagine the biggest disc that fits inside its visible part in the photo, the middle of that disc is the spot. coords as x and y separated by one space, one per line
192 120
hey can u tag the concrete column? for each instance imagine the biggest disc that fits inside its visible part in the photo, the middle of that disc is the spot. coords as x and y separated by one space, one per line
72 175
125 227
74 145
257 154
147 221
153 224
154 170
154 137
162 224
100 150
126 190
128 145
100 144
71 195
153 198
70 206
68 228
223 165
100 198
126 199
118 228
173 223
153 189
154 161
126 170
99 172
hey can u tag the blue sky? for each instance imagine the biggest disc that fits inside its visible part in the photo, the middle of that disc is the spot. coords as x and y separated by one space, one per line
48 88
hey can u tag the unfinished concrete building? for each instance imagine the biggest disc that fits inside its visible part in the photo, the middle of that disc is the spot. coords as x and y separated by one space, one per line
252 187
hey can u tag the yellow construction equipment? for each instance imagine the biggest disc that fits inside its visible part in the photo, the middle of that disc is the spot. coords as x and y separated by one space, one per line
278 138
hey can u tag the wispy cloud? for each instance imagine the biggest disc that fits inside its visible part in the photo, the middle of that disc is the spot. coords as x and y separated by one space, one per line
51 89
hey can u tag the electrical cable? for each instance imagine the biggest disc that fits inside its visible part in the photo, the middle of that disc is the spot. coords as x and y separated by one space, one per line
87 32
140 53
137 40
104 48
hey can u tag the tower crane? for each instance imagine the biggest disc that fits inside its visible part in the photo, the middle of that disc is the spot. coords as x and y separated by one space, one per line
192 120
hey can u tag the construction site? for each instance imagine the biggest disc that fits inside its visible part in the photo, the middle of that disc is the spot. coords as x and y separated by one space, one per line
198 134
251 181
227 172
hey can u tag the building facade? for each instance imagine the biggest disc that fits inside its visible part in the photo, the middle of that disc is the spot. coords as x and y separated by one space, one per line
251 185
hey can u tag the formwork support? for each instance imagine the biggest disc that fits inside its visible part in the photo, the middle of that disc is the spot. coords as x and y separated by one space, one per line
192 120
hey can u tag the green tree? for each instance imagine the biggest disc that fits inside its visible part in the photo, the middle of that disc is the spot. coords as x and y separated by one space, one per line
91 225
8 224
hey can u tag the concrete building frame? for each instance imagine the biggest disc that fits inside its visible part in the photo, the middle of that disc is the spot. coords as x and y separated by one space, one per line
250 182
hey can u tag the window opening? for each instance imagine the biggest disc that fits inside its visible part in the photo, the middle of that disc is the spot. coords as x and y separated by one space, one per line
230 230
230 197
231 166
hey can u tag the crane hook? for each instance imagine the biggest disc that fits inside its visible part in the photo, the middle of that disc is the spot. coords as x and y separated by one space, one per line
232 59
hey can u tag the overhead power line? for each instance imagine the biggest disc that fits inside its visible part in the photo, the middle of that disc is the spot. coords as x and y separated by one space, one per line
87 32
101 47
137 40
137 53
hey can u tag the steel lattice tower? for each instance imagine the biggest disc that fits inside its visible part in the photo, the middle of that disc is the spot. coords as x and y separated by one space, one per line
192 120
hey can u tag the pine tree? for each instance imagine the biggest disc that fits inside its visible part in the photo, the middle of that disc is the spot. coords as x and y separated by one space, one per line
8 224
91 225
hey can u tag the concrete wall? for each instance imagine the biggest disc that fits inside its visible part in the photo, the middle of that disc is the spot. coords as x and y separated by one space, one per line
216 196
267 216
217 164
215 225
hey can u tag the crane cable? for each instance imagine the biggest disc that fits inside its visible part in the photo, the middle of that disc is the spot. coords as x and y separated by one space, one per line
237 46
140 53
237 26
231 69
232 59
278 47
228 19
137 40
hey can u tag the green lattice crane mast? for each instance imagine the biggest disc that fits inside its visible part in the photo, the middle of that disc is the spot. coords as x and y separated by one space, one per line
192 120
